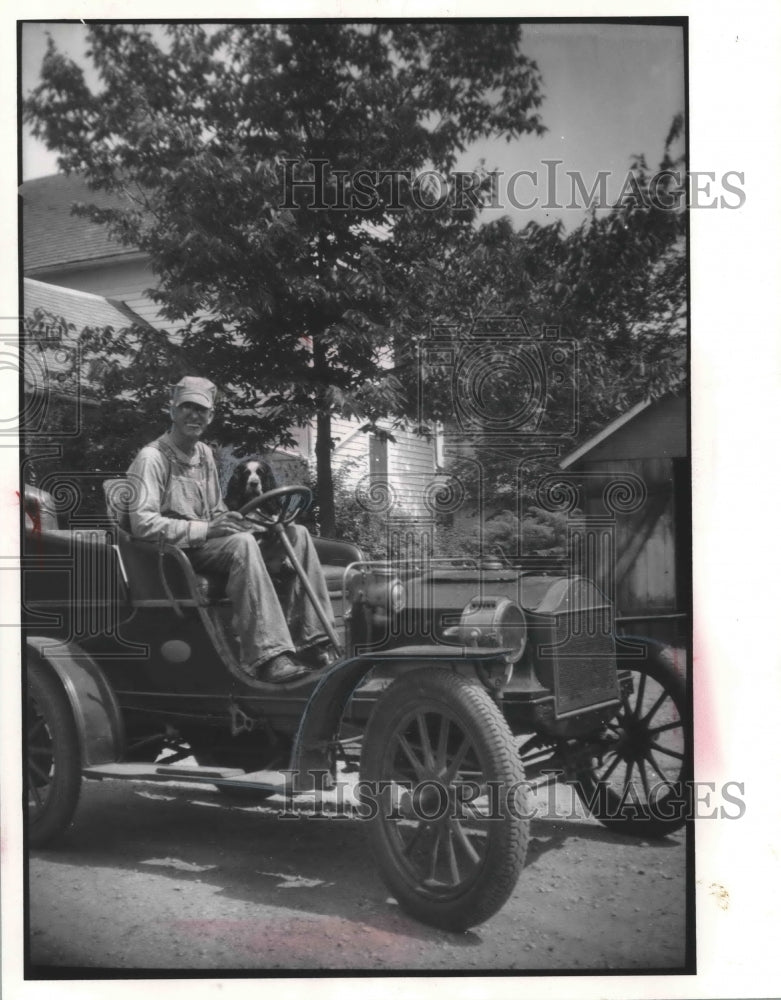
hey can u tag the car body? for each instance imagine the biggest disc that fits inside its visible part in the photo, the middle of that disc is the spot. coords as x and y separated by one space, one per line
458 687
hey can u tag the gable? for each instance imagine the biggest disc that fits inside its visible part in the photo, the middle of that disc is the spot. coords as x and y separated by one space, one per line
655 429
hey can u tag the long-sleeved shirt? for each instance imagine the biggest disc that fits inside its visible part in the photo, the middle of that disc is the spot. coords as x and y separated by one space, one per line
178 494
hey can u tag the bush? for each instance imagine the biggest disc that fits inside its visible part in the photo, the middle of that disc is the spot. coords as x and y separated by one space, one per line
353 522
540 533
370 529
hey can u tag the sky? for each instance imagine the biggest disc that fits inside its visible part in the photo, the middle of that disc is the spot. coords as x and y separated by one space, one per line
611 90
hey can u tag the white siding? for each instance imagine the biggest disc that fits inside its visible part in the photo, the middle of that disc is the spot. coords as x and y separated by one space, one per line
305 443
411 462
412 469
351 447
411 456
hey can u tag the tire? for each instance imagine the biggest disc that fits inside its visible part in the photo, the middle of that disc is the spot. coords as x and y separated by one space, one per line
449 846
53 764
639 779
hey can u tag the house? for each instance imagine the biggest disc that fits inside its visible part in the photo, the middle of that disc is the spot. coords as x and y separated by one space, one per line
67 251
58 406
70 251
56 403
646 449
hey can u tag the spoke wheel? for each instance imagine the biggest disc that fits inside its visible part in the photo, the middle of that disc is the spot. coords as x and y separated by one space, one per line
638 781
449 825
53 764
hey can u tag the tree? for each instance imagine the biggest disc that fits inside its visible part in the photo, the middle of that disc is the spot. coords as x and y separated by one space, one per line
616 286
265 169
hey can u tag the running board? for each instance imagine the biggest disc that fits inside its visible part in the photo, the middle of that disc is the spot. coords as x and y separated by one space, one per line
273 781
230 777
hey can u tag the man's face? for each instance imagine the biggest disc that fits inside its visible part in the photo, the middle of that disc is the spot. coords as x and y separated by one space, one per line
191 420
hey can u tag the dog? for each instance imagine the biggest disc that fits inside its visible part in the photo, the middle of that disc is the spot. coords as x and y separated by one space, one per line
249 479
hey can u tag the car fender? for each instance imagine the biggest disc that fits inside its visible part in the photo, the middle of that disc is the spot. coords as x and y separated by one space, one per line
95 708
633 650
311 759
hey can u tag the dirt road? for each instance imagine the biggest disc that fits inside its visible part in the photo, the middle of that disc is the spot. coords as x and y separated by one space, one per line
155 877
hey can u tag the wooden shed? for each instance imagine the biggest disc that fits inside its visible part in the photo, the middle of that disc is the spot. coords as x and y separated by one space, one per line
651 571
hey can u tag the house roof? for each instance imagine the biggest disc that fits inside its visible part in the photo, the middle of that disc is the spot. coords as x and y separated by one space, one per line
80 308
52 236
46 364
650 429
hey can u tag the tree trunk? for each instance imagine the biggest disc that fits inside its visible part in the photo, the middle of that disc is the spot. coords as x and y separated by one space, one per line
325 482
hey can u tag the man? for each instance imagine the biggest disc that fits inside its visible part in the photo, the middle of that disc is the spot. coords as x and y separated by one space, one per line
180 501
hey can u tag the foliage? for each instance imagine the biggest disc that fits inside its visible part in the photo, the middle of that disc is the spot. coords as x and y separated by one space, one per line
287 309
191 134
538 533
353 521
615 287
65 434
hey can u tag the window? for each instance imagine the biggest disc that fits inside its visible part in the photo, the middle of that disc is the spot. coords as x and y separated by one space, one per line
378 457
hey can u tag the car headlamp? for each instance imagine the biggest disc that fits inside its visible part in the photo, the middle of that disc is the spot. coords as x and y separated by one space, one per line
493 622
378 587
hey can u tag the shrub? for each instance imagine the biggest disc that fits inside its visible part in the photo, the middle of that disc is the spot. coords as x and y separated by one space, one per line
540 533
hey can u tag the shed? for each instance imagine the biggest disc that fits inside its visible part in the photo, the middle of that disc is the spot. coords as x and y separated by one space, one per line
651 571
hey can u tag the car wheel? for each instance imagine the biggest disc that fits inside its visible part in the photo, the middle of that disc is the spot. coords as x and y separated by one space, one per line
53 766
448 821
638 779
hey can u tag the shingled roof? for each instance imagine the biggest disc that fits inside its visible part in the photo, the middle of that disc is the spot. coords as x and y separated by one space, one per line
45 364
80 308
52 236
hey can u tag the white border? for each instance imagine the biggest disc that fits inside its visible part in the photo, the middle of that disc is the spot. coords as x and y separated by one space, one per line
735 108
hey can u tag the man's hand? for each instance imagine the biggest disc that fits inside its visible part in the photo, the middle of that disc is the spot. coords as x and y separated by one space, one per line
257 526
230 523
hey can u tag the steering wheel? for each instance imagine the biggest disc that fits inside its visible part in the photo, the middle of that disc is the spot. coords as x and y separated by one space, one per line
288 510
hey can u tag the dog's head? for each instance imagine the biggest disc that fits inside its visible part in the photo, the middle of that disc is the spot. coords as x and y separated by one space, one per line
251 477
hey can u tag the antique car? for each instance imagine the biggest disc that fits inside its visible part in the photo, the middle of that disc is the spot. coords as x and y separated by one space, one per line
458 689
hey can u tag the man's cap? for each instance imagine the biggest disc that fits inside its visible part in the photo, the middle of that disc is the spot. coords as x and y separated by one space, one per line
192 389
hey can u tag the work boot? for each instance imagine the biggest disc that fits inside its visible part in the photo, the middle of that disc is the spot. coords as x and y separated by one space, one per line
280 669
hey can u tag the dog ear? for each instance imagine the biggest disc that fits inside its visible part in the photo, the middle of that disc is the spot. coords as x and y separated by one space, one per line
234 491
268 480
